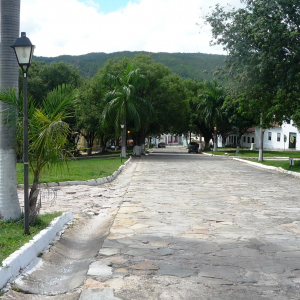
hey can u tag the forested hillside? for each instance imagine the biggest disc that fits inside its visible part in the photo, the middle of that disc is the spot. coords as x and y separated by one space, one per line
187 65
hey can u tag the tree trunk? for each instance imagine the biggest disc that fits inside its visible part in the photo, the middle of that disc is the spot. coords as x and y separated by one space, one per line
90 140
207 138
137 150
224 137
238 144
102 143
34 193
215 141
9 75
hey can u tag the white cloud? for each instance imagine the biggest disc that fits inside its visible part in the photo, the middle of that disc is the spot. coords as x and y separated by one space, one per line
92 4
60 27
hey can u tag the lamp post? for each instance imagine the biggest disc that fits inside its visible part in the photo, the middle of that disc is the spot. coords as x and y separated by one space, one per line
24 51
122 129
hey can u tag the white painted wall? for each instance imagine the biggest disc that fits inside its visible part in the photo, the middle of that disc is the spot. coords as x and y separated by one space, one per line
285 129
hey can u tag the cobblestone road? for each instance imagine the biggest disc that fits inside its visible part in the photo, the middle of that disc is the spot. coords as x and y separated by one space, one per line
190 226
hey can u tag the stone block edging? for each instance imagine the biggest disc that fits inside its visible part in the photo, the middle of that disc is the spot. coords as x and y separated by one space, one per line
21 258
91 182
296 174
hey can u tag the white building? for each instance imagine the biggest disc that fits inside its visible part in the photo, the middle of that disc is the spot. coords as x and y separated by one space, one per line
282 137
169 139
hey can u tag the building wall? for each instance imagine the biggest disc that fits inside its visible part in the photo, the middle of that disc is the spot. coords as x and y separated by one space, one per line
274 137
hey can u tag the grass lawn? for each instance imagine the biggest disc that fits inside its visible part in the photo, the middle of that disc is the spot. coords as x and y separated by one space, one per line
283 164
12 235
254 153
77 170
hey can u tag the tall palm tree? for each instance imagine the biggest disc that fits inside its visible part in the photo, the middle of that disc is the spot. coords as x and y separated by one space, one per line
211 98
123 102
9 74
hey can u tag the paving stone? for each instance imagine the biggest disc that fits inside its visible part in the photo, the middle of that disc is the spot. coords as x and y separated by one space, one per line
98 294
164 251
144 266
109 251
138 252
112 244
100 269
221 272
174 270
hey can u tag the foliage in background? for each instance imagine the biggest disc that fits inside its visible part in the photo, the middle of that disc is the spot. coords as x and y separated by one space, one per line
262 67
198 66
123 102
43 78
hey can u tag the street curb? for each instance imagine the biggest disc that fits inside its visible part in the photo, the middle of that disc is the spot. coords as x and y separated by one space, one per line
296 174
91 182
21 258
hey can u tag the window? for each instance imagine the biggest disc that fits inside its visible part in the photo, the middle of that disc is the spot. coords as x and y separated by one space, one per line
278 137
253 140
248 139
269 136
244 139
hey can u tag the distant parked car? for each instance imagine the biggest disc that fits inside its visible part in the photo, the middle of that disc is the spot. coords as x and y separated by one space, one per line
193 147
161 145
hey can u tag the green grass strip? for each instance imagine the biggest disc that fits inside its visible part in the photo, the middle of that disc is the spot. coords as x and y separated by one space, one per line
254 153
12 235
77 170
284 164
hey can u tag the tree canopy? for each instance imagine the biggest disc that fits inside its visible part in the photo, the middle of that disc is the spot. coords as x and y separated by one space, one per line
262 67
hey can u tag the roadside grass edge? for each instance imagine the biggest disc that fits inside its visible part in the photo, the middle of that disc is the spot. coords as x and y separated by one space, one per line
22 257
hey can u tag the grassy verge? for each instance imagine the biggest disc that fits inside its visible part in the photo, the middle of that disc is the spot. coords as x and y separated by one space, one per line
283 164
77 170
12 235
254 153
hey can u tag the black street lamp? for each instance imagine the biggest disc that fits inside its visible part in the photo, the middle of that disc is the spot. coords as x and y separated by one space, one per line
24 52
122 129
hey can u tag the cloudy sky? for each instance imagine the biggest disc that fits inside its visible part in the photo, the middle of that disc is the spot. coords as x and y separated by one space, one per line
75 27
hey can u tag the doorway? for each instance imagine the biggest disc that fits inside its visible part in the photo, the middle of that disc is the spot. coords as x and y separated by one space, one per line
292 140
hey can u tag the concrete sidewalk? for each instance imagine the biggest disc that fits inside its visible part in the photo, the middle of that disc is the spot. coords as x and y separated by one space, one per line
188 226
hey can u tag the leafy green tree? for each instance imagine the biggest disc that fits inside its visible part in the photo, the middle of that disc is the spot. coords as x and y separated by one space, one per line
168 95
43 78
89 107
262 66
240 121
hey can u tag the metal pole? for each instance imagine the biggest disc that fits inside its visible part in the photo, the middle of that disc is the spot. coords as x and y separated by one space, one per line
25 156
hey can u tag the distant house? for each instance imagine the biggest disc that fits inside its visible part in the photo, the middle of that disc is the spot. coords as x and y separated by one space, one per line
170 139
283 137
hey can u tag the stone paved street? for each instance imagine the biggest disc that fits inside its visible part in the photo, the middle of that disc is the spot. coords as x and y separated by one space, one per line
190 226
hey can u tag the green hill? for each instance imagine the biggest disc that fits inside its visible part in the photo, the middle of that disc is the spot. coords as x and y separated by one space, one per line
187 65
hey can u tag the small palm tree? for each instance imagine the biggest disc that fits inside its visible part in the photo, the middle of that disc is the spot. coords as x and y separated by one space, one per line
123 101
47 132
